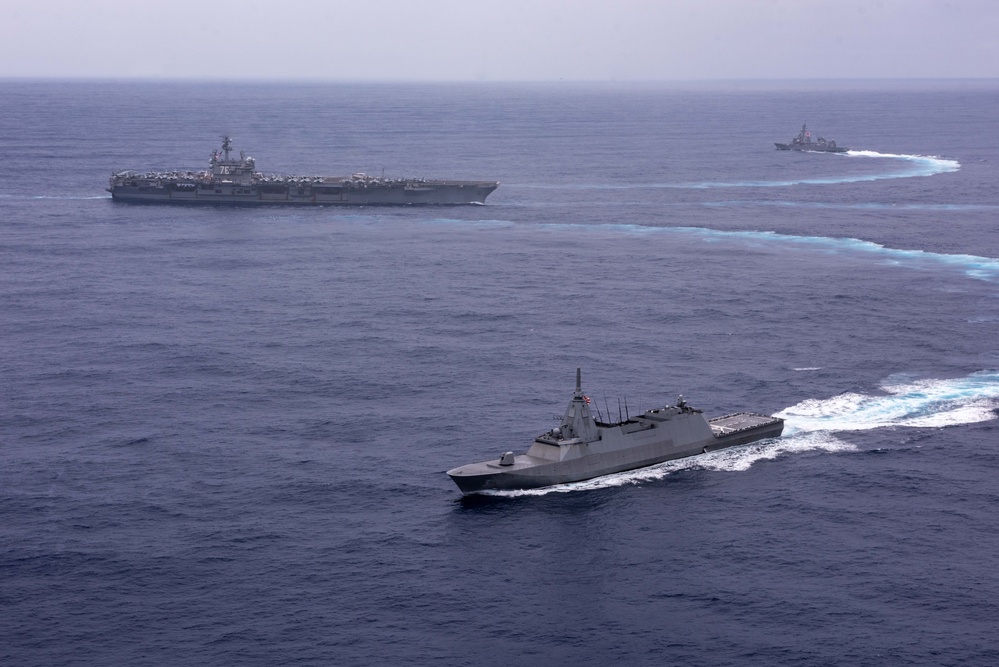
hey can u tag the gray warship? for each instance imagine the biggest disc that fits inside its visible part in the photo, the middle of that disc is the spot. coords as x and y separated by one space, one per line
803 142
236 181
583 447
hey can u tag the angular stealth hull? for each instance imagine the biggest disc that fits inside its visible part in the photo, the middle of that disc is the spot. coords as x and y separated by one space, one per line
583 447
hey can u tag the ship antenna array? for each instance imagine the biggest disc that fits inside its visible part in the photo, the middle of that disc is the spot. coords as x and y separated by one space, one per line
621 415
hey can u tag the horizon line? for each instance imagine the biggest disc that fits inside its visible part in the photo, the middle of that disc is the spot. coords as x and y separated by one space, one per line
324 80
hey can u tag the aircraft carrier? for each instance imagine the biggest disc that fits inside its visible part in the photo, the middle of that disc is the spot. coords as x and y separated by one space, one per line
583 447
232 181
803 142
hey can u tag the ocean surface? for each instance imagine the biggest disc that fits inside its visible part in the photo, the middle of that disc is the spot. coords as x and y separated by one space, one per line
224 431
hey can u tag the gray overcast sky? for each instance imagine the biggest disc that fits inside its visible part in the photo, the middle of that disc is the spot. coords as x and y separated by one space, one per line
500 40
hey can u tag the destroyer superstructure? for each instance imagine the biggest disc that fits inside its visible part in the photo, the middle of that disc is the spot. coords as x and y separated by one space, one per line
583 447
229 180
803 142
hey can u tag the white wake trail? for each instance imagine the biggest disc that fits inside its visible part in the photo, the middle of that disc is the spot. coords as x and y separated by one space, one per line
812 424
915 165
925 403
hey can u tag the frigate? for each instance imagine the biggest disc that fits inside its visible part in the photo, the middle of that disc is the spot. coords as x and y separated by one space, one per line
583 447
229 180
803 142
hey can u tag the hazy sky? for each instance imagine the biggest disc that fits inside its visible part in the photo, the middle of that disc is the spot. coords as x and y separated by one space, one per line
499 40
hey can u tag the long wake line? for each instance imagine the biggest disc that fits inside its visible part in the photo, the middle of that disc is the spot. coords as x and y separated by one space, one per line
973 266
915 165
865 206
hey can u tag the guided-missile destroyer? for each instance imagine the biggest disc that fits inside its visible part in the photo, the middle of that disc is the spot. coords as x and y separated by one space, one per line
803 142
236 181
583 447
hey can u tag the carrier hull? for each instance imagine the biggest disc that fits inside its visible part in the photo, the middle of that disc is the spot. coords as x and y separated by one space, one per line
236 182
435 193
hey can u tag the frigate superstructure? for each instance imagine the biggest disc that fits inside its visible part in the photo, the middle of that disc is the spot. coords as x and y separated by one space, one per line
229 180
803 142
583 447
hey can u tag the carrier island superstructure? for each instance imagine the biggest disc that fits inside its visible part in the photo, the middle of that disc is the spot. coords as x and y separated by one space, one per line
583 447
230 180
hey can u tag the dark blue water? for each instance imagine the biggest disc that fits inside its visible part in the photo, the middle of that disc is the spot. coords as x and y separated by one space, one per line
223 433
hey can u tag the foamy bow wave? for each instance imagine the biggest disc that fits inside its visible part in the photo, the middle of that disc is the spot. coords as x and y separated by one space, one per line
733 459
913 403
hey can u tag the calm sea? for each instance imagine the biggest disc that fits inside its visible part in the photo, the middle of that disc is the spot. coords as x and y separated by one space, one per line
223 432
